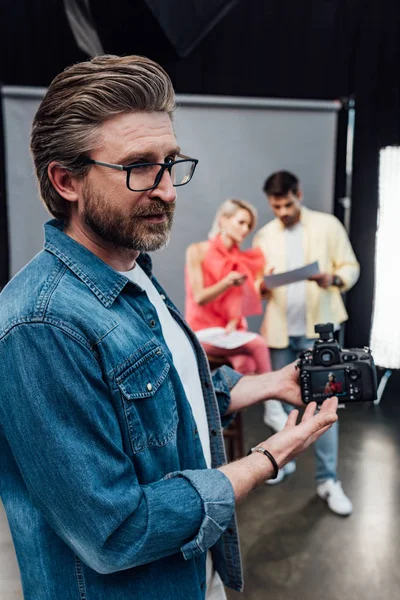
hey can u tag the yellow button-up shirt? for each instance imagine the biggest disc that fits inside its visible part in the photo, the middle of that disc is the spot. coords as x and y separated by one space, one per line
325 240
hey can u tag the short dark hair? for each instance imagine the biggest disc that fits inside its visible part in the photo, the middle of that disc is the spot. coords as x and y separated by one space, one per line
281 183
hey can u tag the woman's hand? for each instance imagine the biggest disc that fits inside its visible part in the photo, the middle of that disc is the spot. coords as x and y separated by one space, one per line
233 323
234 278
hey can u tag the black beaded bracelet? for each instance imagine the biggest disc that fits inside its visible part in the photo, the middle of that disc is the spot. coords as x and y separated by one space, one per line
268 455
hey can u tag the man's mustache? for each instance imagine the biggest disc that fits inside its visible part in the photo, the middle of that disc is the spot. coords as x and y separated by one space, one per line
157 207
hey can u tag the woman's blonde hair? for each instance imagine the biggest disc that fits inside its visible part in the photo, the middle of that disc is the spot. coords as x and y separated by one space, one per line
79 100
228 209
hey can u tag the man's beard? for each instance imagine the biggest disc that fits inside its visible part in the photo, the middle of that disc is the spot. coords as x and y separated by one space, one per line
128 231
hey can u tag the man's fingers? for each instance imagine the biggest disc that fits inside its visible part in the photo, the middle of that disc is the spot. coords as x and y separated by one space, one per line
329 405
318 422
309 412
325 419
292 418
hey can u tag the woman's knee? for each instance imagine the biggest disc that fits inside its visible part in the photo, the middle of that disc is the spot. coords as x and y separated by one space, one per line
244 364
260 342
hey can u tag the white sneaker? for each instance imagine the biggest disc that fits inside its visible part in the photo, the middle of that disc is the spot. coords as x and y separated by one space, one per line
332 492
284 472
274 415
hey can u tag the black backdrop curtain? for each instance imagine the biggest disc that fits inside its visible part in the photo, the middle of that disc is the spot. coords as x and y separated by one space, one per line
377 86
322 49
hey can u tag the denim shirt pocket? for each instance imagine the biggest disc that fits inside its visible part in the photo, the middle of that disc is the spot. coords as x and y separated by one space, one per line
148 397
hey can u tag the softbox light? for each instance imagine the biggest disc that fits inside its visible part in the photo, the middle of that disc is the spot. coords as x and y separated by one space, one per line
385 336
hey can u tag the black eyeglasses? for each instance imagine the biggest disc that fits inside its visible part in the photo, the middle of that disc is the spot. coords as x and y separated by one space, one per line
142 177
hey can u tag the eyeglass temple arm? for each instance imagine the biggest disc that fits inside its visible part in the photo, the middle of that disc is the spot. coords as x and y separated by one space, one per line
187 157
122 168
104 164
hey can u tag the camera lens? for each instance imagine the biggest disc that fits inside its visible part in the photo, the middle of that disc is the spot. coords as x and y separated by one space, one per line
327 357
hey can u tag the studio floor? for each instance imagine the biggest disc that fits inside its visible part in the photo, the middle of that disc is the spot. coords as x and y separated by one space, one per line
294 548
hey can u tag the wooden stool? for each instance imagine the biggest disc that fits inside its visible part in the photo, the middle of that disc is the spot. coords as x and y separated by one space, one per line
233 434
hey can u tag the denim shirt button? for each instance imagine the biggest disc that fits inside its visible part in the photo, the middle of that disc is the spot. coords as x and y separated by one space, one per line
149 387
213 432
196 433
152 323
162 296
202 585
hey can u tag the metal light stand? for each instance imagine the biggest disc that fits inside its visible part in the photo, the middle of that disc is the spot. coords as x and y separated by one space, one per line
382 385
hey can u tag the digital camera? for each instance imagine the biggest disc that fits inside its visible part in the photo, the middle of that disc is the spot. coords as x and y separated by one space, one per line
328 370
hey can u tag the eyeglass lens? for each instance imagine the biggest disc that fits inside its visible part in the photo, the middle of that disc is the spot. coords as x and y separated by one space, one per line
145 177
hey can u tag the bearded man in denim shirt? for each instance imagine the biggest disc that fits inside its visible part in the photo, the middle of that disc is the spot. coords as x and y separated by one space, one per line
111 453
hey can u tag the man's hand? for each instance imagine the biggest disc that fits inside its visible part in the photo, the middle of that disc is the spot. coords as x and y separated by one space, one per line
285 385
324 280
294 439
278 385
264 290
249 472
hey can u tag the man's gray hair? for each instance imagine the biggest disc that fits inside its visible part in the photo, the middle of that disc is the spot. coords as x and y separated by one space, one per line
79 100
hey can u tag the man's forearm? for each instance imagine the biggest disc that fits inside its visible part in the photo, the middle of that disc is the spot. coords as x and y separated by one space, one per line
247 473
279 385
250 390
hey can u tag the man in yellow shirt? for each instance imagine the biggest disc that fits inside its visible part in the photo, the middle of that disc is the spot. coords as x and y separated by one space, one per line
296 237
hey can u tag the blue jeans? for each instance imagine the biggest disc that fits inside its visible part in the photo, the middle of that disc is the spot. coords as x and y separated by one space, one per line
326 447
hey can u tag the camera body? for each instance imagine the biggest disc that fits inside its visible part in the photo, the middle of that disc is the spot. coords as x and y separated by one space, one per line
328 370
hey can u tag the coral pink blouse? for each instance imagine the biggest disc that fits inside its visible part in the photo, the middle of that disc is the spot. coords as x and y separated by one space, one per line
236 302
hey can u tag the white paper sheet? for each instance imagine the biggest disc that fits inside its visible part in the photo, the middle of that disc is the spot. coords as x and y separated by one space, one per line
218 337
273 281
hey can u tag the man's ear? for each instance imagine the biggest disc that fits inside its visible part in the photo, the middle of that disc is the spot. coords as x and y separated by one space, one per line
299 196
63 182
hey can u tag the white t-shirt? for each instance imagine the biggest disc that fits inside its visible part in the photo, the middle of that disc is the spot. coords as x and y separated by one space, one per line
186 364
295 292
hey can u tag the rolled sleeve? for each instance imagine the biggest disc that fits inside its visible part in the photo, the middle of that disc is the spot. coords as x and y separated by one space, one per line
349 274
224 379
217 495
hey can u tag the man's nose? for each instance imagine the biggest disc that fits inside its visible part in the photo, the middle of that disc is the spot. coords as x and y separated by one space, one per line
165 190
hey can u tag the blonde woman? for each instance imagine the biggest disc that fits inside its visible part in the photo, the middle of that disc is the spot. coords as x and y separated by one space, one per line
222 288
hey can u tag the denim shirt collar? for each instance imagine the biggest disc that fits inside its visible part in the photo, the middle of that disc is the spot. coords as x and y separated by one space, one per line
102 280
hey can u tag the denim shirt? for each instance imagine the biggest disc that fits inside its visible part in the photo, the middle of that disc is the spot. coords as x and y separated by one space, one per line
103 477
